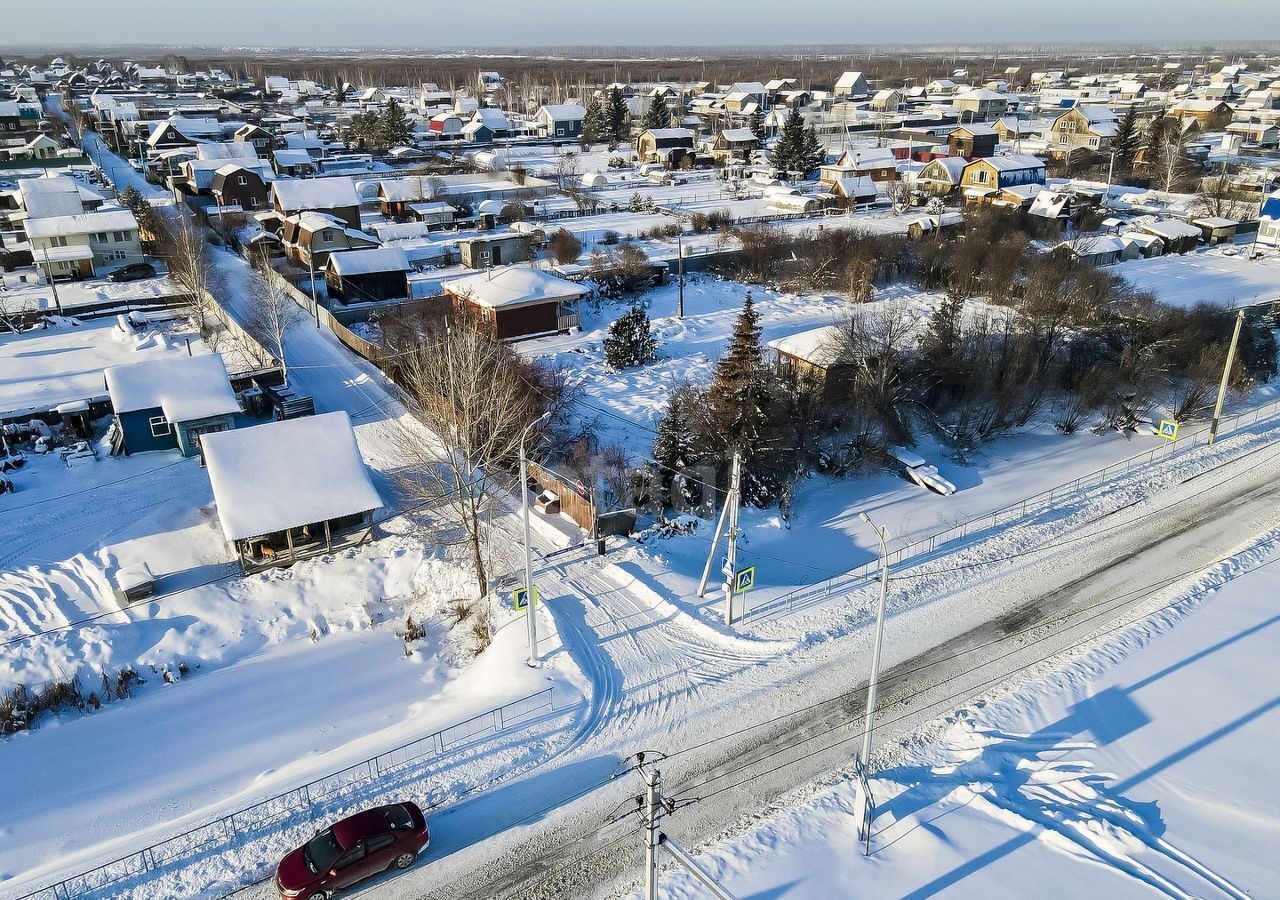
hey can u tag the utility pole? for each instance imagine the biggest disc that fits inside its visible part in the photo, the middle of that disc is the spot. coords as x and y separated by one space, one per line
731 550
53 282
652 808
529 596
680 270
315 304
1226 377
652 820
873 685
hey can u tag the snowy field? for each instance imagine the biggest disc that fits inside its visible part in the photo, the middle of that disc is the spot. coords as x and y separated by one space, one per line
62 363
1137 767
1220 276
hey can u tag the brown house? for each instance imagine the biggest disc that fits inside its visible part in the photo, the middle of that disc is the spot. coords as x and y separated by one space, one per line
309 238
518 301
235 186
973 141
365 276
332 196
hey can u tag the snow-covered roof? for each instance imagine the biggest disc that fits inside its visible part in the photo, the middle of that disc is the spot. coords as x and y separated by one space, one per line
1170 228
1013 162
738 135
954 166
512 287
315 193
1097 245
664 133
363 262
285 158
287 474
565 112
184 388
817 346
84 223
59 195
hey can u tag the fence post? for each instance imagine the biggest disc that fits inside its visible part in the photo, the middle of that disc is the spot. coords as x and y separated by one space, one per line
498 715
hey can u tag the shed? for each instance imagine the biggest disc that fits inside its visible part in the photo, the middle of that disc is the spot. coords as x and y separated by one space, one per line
291 489
518 301
170 403
362 276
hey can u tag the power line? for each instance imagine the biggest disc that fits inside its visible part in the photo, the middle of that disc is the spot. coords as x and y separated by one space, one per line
972 690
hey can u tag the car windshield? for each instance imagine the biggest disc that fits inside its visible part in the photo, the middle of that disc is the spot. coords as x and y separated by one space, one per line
321 851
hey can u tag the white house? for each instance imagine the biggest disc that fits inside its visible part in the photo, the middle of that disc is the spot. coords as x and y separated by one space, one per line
84 245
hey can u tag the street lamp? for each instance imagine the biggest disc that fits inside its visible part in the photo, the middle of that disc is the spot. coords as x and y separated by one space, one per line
883 534
532 661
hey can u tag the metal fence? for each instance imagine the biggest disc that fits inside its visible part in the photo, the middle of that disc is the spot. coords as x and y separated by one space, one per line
847 581
302 805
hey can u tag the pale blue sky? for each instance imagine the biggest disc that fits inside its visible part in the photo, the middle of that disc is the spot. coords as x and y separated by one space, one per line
540 23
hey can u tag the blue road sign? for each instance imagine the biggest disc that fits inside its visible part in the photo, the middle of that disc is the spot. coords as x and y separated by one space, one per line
520 599
745 580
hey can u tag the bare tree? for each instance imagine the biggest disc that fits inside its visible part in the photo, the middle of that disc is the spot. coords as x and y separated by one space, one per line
274 311
1221 197
184 247
472 398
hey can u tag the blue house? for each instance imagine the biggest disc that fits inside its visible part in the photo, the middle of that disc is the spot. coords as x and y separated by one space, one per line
166 404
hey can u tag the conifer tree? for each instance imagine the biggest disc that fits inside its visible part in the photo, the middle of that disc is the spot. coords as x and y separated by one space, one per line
756 123
812 155
657 115
676 447
788 155
630 341
393 125
593 124
616 117
739 390
1124 143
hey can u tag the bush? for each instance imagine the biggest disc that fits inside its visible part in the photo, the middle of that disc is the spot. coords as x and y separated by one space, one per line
564 247
609 238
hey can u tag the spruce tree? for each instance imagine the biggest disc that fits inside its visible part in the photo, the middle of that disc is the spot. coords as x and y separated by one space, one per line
615 115
676 447
593 124
657 115
393 125
812 155
1124 143
739 390
755 122
630 341
788 155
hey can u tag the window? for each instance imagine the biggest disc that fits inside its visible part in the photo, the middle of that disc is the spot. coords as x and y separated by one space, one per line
120 236
57 241
354 855
326 235
160 426
242 180
381 842
253 202
980 176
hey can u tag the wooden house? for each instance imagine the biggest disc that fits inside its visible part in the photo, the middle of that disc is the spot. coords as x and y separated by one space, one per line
168 404
366 276
518 302
291 489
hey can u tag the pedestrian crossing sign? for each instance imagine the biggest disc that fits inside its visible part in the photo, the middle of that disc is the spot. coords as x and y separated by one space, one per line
521 599
1169 430
745 580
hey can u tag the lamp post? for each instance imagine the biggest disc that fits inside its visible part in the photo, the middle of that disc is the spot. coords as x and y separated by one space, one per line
883 534
532 661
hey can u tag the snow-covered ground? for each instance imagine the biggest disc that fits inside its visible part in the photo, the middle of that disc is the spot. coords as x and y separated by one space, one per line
1219 276
290 674
1140 765
74 294
64 362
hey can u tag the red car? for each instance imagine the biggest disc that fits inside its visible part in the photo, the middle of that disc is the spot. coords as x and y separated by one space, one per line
362 845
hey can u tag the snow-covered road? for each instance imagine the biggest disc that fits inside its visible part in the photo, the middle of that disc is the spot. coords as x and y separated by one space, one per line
742 733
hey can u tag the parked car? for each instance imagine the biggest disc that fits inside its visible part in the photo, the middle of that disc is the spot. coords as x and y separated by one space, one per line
352 850
133 272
